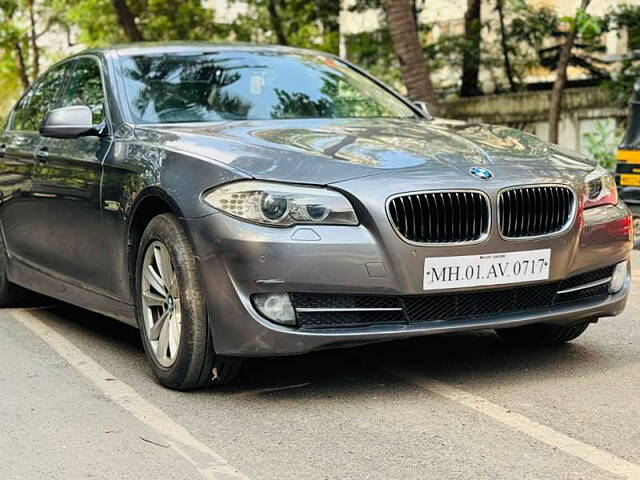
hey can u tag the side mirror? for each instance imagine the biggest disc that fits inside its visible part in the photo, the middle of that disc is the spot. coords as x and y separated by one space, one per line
423 108
68 122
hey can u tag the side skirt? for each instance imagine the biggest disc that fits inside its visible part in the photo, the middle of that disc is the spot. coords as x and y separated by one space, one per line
34 279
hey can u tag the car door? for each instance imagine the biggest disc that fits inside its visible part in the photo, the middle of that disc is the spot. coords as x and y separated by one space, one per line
66 186
18 145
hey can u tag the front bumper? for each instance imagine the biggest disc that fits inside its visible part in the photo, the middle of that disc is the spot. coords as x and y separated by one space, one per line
238 259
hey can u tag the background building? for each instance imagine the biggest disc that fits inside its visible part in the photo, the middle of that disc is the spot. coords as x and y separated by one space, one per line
587 108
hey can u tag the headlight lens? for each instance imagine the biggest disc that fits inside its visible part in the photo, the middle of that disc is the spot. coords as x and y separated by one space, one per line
600 189
281 204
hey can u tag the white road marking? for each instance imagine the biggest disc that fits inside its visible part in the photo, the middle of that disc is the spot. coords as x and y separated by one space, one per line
209 463
593 455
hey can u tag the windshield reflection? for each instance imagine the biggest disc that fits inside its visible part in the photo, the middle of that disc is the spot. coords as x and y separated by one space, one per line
240 85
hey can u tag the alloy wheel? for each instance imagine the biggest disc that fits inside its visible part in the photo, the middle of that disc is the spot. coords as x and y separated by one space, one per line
161 304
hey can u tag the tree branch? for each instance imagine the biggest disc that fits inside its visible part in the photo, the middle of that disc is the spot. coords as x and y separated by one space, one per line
126 20
406 44
50 23
276 23
22 67
471 54
503 45
561 78
35 51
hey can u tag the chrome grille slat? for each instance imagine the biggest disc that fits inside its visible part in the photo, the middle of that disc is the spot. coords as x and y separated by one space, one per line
520 212
528 217
558 202
534 211
473 213
465 224
447 217
440 217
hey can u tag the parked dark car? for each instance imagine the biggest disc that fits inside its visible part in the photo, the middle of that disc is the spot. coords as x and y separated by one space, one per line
238 201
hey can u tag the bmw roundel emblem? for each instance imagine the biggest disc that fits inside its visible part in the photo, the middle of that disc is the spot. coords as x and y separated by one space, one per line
481 173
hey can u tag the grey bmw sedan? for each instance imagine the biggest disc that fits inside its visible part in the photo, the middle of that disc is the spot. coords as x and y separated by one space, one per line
238 201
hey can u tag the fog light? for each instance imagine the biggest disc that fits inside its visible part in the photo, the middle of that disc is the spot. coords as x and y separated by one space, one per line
618 278
276 307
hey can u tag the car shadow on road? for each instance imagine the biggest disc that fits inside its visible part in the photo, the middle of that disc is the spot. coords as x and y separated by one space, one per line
455 358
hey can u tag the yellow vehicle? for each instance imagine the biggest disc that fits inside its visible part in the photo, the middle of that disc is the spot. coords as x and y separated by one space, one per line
628 163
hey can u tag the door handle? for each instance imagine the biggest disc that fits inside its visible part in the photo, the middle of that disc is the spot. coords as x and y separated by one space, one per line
3 150
42 155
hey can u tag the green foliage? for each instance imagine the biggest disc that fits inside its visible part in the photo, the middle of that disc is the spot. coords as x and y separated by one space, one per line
302 23
374 52
9 82
602 143
627 72
587 26
620 85
162 20
18 65
92 29
158 20
530 25
535 36
621 17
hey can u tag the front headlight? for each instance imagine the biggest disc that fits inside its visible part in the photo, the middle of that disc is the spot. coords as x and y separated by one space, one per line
282 205
600 189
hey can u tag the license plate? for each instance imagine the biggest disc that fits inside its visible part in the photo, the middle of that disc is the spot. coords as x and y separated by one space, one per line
489 269
630 179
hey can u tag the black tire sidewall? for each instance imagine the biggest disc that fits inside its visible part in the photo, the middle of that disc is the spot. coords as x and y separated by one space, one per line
186 371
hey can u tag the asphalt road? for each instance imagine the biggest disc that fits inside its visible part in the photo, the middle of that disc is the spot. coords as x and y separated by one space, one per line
77 400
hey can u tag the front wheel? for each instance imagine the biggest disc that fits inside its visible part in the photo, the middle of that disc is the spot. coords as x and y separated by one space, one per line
171 311
540 334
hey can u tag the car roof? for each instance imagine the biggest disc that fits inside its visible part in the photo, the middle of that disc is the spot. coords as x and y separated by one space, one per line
152 48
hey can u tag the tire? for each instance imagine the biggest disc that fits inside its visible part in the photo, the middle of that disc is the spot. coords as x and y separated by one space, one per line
182 357
11 295
540 334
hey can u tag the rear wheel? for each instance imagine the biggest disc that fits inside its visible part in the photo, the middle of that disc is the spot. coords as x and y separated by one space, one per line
540 334
11 295
171 311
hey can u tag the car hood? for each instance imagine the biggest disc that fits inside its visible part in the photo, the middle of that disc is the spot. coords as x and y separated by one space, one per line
323 151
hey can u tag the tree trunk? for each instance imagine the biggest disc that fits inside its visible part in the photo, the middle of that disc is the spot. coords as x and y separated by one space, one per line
505 49
35 51
561 78
127 21
276 23
406 43
471 54
22 66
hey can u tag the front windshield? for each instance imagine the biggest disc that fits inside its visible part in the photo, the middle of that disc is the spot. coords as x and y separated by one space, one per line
242 85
